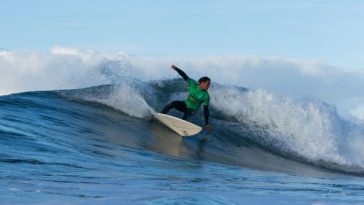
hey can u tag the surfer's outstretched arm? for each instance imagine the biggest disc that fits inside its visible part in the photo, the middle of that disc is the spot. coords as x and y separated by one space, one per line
180 72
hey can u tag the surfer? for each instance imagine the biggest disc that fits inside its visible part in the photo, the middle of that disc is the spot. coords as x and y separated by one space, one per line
197 94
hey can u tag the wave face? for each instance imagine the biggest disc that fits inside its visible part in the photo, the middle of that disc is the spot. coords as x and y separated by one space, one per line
251 128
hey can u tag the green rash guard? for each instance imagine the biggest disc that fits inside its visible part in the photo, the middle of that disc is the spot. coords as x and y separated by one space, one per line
196 96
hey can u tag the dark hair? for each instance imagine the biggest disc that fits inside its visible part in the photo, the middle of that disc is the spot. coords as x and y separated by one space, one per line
204 79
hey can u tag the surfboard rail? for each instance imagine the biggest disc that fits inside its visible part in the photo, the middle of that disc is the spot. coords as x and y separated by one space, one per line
181 127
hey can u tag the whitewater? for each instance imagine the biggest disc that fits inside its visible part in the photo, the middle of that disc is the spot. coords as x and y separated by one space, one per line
77 127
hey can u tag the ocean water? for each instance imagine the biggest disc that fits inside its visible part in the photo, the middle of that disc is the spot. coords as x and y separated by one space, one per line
101 145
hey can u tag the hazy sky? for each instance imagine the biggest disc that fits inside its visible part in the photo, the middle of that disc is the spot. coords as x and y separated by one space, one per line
330 31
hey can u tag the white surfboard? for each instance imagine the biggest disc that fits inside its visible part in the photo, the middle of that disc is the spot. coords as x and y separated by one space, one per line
181 127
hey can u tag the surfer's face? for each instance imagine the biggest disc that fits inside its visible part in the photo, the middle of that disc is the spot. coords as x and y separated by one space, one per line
205 85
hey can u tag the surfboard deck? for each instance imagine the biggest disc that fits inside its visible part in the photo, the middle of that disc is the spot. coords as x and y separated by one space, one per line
181 127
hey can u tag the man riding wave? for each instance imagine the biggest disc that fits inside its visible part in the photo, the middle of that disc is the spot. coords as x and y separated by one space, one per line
197 95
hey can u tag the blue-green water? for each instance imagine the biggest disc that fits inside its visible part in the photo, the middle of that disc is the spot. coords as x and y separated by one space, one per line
76 147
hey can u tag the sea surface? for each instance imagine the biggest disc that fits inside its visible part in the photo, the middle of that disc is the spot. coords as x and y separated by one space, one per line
101 145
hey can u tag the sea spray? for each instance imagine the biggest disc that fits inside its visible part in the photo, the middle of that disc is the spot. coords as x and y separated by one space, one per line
310 129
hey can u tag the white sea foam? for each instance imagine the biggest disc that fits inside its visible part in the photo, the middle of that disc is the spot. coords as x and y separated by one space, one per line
123 97
310 129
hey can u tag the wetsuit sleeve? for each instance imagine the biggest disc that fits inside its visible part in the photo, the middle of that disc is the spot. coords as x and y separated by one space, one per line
182 74
206 100
206 113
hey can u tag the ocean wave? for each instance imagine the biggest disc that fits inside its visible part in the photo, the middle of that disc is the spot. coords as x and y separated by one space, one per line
254 123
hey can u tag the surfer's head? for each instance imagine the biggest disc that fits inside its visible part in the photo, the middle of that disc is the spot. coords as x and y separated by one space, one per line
204 83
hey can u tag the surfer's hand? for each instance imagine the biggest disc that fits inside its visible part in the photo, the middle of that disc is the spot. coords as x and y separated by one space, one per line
173 67
208 128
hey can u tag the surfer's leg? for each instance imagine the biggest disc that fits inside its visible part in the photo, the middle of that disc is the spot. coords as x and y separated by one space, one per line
187 113
178 105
